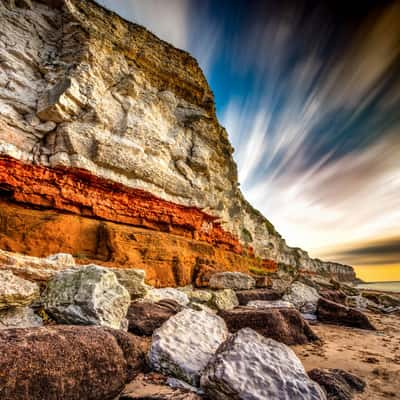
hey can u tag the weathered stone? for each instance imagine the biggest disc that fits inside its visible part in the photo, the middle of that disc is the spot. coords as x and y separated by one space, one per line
67 362
244 296
62 259
132 280
156 295
303 297
285 325
145 317
335 313
20 317
249 366
269 304
333 295
338 384
232 280
197 295
263 281
90 295
15 291
183 345
225 299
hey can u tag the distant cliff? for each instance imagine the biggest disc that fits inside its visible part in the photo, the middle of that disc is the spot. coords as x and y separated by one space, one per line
110 149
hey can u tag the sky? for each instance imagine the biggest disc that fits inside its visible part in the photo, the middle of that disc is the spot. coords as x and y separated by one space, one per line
309 92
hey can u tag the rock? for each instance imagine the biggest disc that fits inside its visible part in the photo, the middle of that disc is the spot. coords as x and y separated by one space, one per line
244 296
269 304
178 384
337 383
263 281
250 366
19 317
285 325
156 295
383 299
197 295
334 313
232 280
202 307
303 297
90 295
336 296
224 299
183 345
15 291
145 317
62 259
133 280
67 362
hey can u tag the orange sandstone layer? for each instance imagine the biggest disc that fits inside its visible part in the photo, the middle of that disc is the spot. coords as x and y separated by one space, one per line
45 211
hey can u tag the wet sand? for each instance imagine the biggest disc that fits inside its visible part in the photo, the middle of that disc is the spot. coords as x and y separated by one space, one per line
372 355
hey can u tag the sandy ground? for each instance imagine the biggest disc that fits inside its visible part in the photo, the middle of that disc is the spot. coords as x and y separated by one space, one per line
373 356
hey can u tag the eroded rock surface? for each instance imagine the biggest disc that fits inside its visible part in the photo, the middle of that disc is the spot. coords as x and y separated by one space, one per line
174 294
303 297
183 345
275 372
232 280
19 317
100 118
90 295
67 362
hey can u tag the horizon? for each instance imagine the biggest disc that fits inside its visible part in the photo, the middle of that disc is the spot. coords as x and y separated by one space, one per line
309 93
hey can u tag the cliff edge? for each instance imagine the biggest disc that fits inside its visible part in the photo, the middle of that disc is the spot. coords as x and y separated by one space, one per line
110 150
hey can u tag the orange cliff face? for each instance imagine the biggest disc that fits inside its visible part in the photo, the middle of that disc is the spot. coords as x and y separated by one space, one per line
45 210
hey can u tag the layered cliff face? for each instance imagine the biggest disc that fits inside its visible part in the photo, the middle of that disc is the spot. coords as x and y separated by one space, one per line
102 120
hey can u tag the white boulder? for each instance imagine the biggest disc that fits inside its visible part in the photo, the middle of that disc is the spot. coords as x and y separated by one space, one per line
90 295
184 344
269 304
250 366
155 295
232 280
303 297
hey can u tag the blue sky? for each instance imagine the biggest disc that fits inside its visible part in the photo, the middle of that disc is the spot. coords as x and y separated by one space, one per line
310 95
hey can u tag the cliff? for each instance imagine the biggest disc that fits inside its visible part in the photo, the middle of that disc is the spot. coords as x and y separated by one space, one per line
110 149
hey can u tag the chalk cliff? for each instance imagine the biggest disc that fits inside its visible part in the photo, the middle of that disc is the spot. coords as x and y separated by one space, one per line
110 149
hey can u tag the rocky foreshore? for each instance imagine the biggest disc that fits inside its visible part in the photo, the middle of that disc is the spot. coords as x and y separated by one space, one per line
91 332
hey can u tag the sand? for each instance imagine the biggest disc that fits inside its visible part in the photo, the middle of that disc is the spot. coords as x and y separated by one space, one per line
373 356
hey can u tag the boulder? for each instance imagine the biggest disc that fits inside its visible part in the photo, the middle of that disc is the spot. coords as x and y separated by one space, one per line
334 313
90 295
263 281
145 317
303 297
62 259
337 383
244 296
19 317
285 325
67 362
15 291
250 366
197 295
269 304
224 299
183 345
133 280
333 295
232 280
155 295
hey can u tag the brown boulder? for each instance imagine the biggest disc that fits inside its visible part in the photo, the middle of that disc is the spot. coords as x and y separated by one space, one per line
285 325
337 383
336 296
334 313
145 317
244 296
67 362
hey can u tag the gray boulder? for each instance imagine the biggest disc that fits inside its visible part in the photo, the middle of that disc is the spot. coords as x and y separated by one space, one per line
232 280
184 344
133 280
304 298
249 366
225 299
19 317
15 291
155 295
90 295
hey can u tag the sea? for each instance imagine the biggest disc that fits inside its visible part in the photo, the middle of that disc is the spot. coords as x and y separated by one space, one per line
383 286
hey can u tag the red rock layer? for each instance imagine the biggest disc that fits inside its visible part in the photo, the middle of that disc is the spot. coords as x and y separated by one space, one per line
79 192
168 259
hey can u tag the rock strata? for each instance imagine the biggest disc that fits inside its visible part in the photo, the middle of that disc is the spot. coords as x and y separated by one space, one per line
183 345
275 373
90 295
69 363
